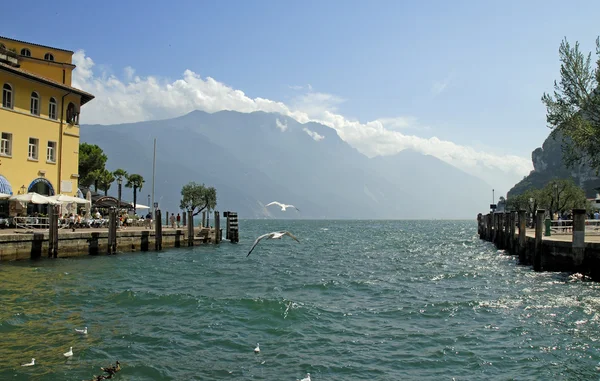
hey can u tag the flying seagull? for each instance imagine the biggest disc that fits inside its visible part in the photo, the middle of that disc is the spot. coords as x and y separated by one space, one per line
81 331
32 363
273 235
282 206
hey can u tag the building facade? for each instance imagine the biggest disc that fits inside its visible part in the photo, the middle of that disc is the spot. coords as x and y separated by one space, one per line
39 120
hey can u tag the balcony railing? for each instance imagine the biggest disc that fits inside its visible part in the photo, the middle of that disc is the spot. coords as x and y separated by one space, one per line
9 57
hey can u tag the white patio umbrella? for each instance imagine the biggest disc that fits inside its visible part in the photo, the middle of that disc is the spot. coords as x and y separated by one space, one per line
34 198
88 207
4 196
64 199
140 206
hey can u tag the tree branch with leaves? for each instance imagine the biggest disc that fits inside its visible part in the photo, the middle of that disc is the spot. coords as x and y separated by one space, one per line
573 110
197 197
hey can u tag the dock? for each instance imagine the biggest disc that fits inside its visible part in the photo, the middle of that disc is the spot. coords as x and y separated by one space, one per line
22 244
564 246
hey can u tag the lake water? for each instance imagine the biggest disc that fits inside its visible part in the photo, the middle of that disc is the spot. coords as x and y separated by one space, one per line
355 300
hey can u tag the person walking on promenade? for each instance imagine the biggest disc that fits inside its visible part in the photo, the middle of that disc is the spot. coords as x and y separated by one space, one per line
178 221
172 219
149 220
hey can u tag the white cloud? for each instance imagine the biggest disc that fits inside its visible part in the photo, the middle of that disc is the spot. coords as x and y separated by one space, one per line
149 98
401 123
313 134
281 125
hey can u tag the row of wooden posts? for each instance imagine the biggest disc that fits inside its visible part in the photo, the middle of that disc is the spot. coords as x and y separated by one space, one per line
54 213
500 229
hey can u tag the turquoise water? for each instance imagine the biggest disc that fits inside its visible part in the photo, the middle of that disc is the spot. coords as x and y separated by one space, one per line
355 300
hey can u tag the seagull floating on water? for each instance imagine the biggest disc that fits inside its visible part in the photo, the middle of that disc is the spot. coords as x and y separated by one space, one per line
69 353
282 206
307 378
272 235
32 363
257 349
81 331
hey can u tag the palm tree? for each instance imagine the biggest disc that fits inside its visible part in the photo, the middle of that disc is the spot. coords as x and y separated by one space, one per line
105 179
136 182
120 174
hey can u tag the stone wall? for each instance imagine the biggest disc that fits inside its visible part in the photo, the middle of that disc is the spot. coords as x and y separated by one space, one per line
20 246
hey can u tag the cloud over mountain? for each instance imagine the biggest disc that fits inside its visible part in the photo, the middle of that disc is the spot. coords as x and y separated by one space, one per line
135 98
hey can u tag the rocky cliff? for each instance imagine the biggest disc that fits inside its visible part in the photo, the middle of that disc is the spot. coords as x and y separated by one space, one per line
548 164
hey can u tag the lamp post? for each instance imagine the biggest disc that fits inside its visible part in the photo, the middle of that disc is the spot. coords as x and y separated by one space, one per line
556 193
150 205
119 182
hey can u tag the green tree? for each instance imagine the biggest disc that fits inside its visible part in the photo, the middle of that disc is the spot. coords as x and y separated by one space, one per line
562 195
197 197
574 107
136 182
105 180
91 158
120 173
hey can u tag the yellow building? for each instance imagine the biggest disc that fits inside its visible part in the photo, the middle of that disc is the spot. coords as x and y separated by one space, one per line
39 120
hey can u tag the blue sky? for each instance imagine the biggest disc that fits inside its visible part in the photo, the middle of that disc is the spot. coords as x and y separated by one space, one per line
467 72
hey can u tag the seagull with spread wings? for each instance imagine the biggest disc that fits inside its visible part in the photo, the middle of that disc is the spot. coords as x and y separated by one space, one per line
273 235
282 206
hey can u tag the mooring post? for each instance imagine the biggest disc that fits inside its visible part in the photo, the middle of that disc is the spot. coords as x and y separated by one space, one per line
513 222
184 218
112 231
203 224
158 230
488 227
53 231
227 225
167 220
539 227
507 231
522 235
217 219
494 230
500 236
578 237
190 228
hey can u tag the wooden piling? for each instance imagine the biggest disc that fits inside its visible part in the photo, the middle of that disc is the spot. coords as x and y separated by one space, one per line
522 235
184 218
578 245
190 227
513 223
53 231
158 230
112 232
539 228
167 220
217 227
227 225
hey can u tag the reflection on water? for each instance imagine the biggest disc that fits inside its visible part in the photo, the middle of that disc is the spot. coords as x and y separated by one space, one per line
359 300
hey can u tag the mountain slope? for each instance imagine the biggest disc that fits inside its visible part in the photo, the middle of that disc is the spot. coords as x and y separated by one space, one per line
256 158
548 164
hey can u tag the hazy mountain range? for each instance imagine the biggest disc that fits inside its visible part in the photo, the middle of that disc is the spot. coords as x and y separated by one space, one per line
256 158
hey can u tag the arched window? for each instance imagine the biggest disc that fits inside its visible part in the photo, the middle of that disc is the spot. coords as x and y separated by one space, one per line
25 52
49 57
7 96
35 103
52 108
71 114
